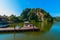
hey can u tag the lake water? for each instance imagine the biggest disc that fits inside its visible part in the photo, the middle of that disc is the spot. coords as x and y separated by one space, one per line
48 31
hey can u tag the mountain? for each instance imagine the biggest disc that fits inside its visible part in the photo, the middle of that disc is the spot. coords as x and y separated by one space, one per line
35 14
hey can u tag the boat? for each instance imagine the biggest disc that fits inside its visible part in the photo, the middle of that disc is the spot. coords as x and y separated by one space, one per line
4 25
28 26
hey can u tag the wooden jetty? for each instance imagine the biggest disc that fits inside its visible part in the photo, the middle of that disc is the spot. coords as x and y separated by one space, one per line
27 27
18 29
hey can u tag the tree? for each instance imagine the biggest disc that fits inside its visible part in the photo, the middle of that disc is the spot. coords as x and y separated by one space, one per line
34 14
13 18
24 14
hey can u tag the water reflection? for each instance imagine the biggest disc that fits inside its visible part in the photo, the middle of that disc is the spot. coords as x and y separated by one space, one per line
44 27
50 32
55 28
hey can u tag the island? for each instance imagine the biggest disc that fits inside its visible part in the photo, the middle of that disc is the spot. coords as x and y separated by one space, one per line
28 14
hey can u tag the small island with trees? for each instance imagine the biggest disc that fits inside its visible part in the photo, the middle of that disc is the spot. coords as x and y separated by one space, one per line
28 14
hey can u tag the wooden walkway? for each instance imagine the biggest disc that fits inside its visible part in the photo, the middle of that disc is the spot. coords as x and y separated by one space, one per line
17 29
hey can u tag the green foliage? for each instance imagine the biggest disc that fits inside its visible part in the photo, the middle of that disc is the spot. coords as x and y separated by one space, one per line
3 19
31 14
13 18
56 19
24 14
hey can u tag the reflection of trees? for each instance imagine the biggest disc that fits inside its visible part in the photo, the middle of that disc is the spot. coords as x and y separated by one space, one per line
14 36
34 33
43 26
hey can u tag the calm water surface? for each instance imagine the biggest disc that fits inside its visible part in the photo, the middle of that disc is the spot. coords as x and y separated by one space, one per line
49 32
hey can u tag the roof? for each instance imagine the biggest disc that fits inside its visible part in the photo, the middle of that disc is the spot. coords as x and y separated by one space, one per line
26 22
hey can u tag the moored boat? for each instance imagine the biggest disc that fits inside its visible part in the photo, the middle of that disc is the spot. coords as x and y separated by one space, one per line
4 25
28 26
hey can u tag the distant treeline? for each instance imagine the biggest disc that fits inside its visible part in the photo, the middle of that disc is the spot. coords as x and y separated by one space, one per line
29 14
56 19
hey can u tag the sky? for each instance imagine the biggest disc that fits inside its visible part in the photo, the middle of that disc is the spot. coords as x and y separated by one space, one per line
9 7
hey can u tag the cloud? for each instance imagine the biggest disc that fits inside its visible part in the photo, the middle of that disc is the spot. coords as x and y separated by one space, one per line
5 8
6 12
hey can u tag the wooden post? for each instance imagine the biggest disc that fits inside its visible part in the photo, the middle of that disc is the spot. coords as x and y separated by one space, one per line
14 29
33 28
